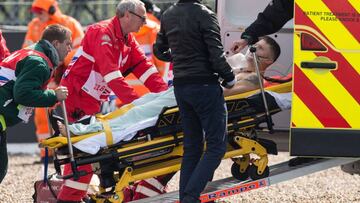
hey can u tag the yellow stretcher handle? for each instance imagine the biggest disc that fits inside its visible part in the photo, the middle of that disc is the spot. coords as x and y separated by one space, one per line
57 142
2 123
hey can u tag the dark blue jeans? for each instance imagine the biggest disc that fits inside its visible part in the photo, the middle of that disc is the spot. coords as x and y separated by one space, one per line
204 118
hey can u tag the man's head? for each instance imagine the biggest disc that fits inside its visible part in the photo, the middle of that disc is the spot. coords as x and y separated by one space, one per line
60 37
267 51
132 15
44 9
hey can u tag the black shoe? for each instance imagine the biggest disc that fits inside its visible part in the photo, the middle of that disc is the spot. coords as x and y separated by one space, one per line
301 160
351 168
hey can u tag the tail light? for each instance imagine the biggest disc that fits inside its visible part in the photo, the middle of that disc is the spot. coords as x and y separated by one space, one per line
310 43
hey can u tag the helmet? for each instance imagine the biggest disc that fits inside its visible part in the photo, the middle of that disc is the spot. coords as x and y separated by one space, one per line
46 5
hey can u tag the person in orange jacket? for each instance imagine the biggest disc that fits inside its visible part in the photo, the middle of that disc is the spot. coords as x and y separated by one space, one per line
47 12
146 36
4 51
153 12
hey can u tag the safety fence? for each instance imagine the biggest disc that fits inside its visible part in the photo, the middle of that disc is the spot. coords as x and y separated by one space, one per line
17 12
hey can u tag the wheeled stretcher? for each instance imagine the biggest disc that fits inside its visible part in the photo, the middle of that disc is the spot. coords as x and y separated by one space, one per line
157 150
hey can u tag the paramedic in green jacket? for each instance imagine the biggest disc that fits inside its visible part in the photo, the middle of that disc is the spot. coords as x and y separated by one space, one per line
23 79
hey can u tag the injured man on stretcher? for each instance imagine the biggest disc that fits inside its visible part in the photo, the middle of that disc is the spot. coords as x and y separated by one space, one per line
144 112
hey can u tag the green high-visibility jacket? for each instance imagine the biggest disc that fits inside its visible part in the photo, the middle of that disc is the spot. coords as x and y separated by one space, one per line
27 90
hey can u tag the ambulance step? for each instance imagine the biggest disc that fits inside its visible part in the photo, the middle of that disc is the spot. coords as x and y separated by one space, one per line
230 186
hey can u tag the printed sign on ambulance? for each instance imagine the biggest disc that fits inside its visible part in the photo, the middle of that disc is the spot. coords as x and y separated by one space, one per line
325 117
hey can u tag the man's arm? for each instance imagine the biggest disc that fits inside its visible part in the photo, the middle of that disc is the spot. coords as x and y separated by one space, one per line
211 33
144 69
271 20
98 44
32 77
160 65
161 47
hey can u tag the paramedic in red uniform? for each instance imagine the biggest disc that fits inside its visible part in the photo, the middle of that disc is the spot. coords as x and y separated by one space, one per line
108 52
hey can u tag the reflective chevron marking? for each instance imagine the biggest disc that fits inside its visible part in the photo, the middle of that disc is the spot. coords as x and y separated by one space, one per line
330 90
302 115
308 25
350 16
332 96
349 62
316 102
333 30
355 4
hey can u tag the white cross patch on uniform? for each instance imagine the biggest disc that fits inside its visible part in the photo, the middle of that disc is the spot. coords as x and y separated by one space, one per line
122 60
105 39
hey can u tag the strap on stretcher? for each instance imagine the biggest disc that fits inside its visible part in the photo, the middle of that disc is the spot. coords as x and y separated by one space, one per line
108 133
2 123
116 113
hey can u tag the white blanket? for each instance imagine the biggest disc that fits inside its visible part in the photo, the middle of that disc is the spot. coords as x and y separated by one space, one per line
143 115
93 144
283 100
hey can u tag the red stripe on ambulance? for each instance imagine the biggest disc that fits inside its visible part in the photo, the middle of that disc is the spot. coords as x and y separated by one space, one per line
317 102
345 11
345 74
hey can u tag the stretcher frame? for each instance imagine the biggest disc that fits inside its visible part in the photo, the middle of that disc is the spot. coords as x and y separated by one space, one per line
157 150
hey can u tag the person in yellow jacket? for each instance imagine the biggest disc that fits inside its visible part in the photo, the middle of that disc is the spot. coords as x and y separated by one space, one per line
47 12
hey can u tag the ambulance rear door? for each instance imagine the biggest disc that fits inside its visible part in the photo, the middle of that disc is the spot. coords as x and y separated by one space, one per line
325 118
234 17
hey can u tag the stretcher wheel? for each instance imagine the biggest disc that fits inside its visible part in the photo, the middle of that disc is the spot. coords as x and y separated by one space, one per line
235 171
253 172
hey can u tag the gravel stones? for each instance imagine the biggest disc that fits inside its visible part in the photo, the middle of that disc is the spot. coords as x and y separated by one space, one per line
330 185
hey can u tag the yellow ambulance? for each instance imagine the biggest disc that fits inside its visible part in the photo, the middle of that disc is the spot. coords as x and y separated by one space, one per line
325 117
